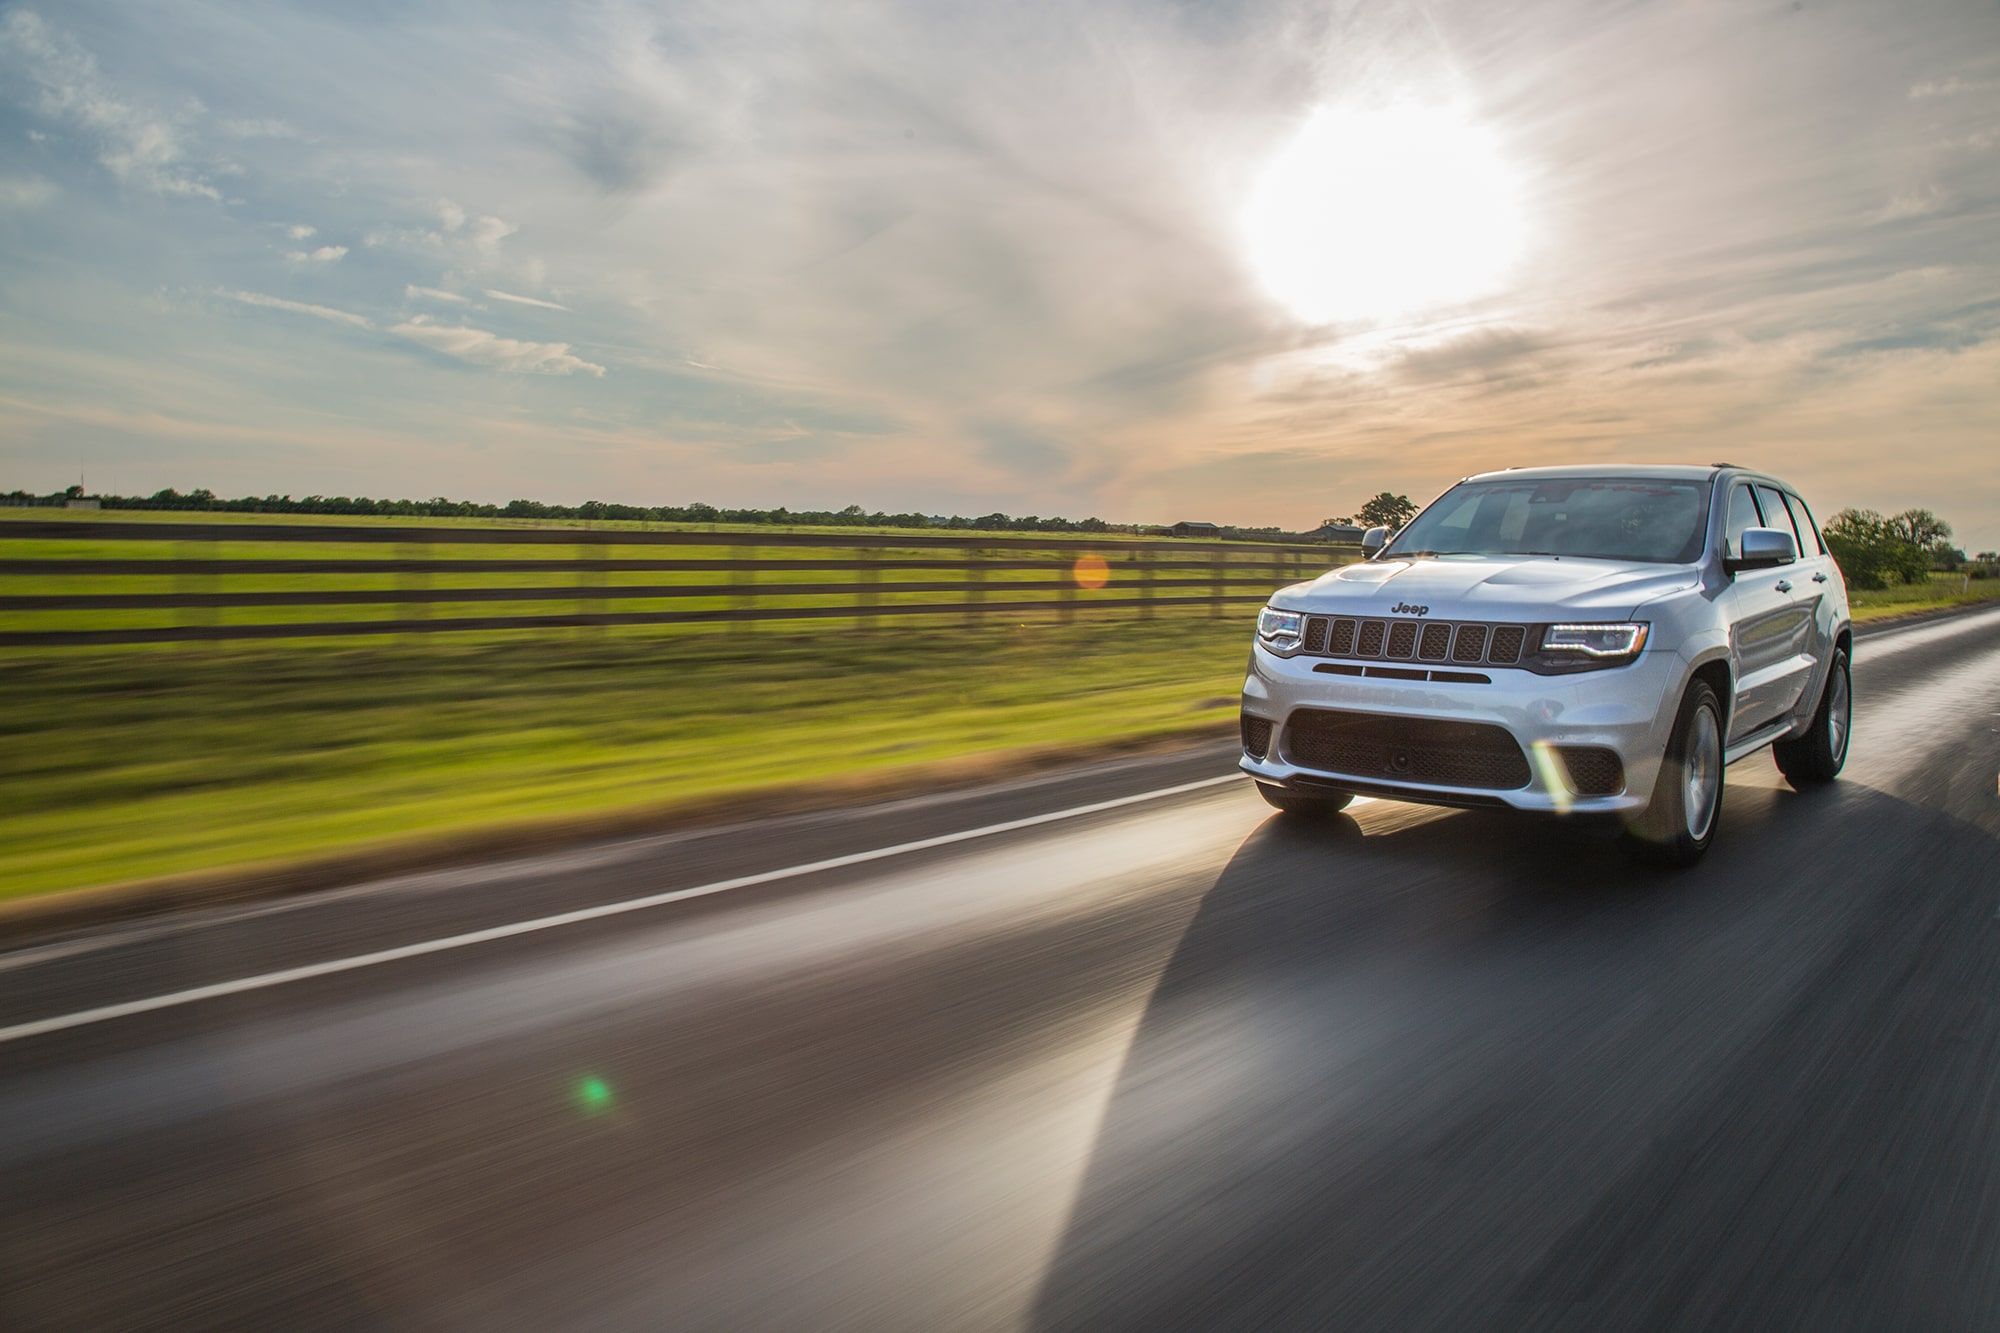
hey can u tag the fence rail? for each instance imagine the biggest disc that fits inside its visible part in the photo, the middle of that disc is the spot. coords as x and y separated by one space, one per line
988 574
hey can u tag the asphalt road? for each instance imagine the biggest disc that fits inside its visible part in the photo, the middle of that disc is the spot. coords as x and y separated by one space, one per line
1162 1063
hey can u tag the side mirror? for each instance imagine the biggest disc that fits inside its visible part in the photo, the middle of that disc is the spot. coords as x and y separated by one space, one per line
1764 548
1374 540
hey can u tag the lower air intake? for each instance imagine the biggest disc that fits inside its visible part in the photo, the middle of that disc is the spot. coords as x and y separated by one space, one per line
1256 736
1592 770
1406 749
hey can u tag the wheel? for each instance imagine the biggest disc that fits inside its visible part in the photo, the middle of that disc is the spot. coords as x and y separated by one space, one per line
1678 825
1815 759
1303 803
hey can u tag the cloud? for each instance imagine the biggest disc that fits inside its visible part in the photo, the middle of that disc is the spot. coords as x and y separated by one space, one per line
483 233
413 292
1914 204
324 312
524 300
486 233
475 241
135 145
480 348
1020 450
24 192
258 127
1947 87
325 254
299 231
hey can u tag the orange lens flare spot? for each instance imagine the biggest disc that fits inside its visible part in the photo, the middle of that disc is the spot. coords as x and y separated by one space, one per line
1090 571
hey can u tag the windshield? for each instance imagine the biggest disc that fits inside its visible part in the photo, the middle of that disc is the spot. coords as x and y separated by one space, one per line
1601 518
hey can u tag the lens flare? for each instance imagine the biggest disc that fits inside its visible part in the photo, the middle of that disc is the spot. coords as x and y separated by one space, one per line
1554 773
1091 572
593 1095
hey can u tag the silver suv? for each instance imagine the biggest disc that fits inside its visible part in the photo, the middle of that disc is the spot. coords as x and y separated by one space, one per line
1590 640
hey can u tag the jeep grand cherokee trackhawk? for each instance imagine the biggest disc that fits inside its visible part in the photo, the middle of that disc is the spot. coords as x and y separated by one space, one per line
1569 640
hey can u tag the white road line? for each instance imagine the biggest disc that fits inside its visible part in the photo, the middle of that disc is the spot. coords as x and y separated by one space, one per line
266 980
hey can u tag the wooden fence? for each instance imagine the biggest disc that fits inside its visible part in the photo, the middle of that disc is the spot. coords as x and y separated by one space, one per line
769 576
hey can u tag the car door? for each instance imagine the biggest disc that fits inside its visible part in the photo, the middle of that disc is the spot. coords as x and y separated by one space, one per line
1768 633
1818 573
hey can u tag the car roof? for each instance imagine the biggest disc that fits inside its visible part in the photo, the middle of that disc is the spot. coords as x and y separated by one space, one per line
1636 471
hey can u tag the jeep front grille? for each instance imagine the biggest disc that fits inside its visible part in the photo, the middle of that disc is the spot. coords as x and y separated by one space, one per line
1467 642
1405 749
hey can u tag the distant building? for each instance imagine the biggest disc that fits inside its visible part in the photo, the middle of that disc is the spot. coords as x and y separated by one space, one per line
1337 532
81 502
1186 529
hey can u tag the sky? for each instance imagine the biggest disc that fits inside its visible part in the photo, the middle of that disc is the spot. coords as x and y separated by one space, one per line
960 257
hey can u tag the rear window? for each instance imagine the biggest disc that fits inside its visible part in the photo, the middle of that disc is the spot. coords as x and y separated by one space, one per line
1802 519
1779 517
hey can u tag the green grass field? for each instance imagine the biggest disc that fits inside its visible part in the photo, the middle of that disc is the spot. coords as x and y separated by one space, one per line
1942 592
126 766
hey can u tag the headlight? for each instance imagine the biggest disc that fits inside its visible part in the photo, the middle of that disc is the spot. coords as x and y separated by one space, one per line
1280 631
1600 642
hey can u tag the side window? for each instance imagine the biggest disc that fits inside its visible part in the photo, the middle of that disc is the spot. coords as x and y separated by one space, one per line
1777 516
1802 519
1742 517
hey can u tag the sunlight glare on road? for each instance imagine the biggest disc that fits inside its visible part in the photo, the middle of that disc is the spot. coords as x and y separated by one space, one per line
1366 215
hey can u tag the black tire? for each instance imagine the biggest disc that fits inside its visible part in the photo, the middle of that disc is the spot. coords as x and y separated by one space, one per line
1308 804
1816 758
1671 832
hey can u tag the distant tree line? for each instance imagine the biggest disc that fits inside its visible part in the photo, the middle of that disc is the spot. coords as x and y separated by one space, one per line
1874 551
853 516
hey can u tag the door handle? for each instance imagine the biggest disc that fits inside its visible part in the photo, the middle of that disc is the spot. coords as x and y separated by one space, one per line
1783 585
1819 578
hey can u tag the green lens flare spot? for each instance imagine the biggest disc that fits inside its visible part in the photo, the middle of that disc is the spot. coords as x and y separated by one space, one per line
593 1094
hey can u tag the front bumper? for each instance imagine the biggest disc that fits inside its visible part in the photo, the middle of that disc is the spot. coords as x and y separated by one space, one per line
1628 709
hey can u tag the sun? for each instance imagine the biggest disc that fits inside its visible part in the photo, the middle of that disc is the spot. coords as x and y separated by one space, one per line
1369 215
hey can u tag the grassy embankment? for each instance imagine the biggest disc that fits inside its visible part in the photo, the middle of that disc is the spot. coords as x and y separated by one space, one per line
131 763
1942 592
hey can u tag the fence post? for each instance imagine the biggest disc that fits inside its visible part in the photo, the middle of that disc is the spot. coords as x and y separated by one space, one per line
592 601
870 573
1147 563
187 584
192 584
744 580
1066 612
412 580
1215 569
975 584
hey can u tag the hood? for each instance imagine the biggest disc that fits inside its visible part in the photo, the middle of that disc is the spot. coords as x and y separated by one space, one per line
1525 589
